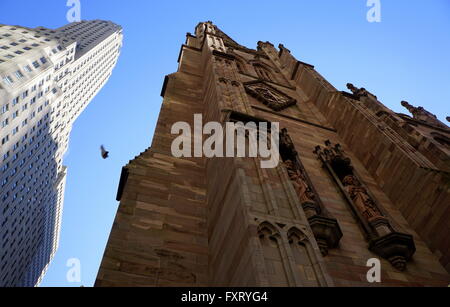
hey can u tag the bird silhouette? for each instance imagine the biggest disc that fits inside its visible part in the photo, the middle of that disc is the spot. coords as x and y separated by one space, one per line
105 154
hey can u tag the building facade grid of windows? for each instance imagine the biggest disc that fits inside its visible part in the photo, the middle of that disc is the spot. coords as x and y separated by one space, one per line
47 78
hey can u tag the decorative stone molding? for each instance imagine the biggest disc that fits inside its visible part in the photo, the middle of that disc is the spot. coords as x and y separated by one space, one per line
269 95
396 247
359 92
423 115
282 49
290 247
384 241
325 228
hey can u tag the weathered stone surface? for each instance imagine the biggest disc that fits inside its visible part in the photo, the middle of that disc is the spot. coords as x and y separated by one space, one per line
227 222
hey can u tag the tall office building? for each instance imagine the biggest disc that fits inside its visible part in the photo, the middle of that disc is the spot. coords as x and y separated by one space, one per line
47 78
356 181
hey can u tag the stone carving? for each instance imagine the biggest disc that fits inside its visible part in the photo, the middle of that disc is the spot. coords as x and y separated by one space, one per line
358 92
302 188
267 230
325 228
270 96
361 198
282 47
368 100
384 241
423 115
286 142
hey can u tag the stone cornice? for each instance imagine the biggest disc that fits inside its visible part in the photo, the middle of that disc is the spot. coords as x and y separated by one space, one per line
418 122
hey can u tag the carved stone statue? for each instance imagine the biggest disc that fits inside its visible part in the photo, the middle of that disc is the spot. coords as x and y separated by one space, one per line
302 188
361 198
286 141
423 115
359 92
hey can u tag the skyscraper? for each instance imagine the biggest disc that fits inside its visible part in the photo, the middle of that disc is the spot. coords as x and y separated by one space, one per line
47 78
356 183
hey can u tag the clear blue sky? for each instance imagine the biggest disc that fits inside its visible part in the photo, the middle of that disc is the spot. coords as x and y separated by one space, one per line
405 57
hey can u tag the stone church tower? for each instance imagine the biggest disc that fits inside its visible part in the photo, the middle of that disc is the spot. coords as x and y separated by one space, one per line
355 181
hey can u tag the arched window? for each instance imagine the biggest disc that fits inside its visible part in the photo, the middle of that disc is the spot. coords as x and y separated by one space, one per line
274 255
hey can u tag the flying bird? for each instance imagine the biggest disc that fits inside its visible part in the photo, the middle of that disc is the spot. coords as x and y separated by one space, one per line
105 154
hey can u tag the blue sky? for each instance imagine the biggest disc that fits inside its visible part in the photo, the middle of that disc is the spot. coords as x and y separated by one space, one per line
404 57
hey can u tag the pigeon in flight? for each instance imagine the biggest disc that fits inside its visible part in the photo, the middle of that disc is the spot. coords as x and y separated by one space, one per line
105 154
